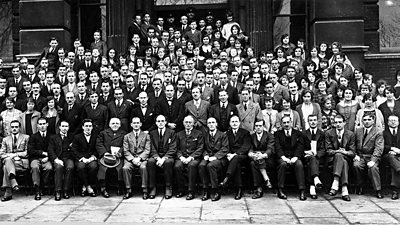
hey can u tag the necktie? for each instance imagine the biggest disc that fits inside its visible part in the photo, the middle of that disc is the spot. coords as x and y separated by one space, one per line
287 133
394 133
270 121
94 87
43 135
69 108
187 132
94 107
339 138
245 107
293 98
313 136
14 141
161 136
365 135
212 137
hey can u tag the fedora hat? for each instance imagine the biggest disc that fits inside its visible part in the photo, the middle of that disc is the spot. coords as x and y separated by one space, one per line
109 160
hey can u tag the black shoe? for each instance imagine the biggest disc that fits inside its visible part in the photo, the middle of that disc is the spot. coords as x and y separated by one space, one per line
168 192
38 196
105 194
239 194
92 194
224 182
145 196
190 196
127 195
360 191
302 195
216 197
206 195
318 186
268 184
83 193
346 198
15 188
395 195
66 195
8 198
314 196
153 192
57 196
333 192
379 194
281 194
179 195
257 194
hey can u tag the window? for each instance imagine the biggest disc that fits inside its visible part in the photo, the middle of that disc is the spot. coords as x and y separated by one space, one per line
389 23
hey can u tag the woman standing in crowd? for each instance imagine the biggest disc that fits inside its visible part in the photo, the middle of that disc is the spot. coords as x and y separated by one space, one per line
348 107
8 115
50 112
369 101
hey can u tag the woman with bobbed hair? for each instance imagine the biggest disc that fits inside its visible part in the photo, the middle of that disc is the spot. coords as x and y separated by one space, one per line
308 107
348 108
286 110
369 102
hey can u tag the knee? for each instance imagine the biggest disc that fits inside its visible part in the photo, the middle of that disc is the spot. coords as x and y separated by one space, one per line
143 167
374 168
282 164
299 164
338 156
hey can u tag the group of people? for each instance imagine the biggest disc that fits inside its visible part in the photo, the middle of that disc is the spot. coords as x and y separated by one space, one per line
194 100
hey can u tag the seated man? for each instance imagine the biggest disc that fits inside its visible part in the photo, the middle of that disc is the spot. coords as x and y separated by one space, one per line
13 153
37 150
262 158
239 147
392 152
136 148
162 154
214 159
190 144
340 148
314 145
369 148
84 153
289 146
60 155
109 150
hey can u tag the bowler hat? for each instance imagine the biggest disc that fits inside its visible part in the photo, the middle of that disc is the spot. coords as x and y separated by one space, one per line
109 160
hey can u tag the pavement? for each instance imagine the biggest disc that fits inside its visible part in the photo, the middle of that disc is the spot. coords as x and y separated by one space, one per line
365 209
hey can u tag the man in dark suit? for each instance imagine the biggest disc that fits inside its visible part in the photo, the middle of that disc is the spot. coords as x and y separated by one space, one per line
94 84
239 147
214 160
162 154
289 147
105 94
84 154
181 93
262 158
233 96
109 149
38 155
39 100
340 148
369 148
222 111
16 80
87 65
72 113
46 89
172 109
60 155
82 98
131 91
198 109
392 151
157 93
49 53
121 109
61 77
134 28
190 147
145 112
295 98
96 112
314 146
143 83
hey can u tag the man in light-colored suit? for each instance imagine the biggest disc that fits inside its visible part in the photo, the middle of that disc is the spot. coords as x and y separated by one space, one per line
198 109
369 148
206 92
136 152
14 156
279 90
253 96
249 112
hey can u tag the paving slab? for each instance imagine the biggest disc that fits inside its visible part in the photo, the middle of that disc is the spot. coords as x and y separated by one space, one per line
274 219
223 214
178 212
88 215
48 213
315 220
271 206
313 209
356 205
369 218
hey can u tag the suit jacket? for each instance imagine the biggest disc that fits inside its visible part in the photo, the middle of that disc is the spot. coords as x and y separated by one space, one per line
99 116
192 145
89 88
148 119
195 36
101 46
132 95
348 142
37 145
320 138
280 91
34 119
59 148
316 111
21 146
386 112
372 144
174 113
124 113
73 117
136 29
168 148
241 143
40 102
293 149
104 101
265 145
83 102
66 89
185 97
388 142
295 103
216 110
106 139
250 116
253 98
87 69
19 85
200 114
207 94
136 147
217 146
83 149
233 96
153 99
58 80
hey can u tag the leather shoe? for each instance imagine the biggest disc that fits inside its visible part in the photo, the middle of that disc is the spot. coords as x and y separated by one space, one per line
83 193
168 192
379 194
333 192
239 194
395 195
57 196
314 196
224 182
38 196
257 194
105 194
127 195
268 184
281 194
153 193
8 198
92 194
346 198
66 195
190 196
318 186
206 195
360 191
179 195
216 197
302 195
145 195
15 188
